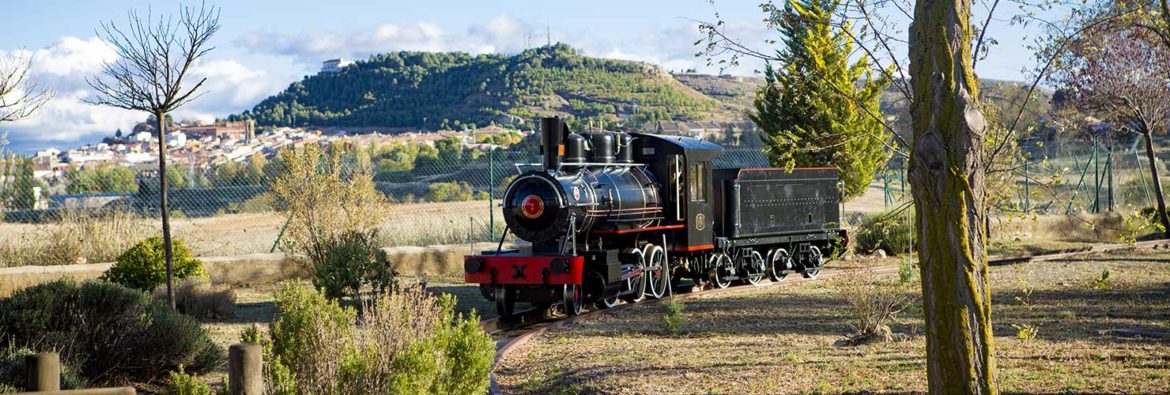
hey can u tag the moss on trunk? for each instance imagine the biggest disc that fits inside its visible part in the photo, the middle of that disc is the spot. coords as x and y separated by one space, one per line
946 171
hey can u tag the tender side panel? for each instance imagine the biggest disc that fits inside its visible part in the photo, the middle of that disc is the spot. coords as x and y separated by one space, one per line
768 202
523 269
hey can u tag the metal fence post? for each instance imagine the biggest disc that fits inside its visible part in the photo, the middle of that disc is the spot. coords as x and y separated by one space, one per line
245 369
43 372
491 188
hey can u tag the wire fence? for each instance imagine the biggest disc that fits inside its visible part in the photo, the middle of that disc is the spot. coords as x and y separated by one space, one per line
450 195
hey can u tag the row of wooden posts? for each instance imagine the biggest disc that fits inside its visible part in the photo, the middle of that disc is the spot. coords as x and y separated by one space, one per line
245 374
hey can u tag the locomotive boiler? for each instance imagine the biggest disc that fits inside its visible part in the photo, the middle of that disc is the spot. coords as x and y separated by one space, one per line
623 216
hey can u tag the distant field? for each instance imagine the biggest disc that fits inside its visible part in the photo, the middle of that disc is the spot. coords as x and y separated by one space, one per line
781 340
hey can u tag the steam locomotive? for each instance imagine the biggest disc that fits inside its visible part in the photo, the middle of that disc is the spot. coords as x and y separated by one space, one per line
625 216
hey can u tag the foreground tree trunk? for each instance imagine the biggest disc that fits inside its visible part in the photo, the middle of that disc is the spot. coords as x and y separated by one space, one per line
164 205
946 172
1149 138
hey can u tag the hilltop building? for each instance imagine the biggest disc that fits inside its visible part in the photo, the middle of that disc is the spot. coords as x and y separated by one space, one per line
335 65
245 130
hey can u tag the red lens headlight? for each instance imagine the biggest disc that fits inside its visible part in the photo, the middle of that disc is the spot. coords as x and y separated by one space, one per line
532 206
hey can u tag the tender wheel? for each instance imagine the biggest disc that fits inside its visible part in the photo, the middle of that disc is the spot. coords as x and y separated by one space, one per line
817 260
505 301
637 283
756 269
780 262
657 274
574 300
722 264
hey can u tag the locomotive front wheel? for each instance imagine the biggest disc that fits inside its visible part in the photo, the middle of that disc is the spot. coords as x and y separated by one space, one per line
722 264
816 259
574 300
756 269
657 274
780 262
505 301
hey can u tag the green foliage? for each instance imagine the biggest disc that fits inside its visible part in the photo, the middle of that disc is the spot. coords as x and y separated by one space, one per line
449 192
1139 224
350 264
19 190
906 270
456 90
892 231
1026 332
334 214
143 266
412 342
674 319
109 333
1102 282
187 384
101 178
818 109
12 370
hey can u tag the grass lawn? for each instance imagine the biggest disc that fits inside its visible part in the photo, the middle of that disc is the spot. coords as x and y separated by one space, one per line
781 339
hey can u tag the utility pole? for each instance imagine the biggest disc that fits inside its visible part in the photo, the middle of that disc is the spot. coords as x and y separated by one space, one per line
491 186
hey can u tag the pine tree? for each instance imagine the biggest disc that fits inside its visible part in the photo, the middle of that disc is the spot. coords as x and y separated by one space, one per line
818 109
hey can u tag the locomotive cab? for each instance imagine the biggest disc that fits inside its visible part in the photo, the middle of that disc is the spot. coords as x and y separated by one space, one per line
687 188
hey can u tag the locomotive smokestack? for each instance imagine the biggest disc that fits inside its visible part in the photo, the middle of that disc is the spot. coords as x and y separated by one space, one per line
552 141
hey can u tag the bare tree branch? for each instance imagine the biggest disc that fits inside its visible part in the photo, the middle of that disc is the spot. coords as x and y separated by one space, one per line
19 97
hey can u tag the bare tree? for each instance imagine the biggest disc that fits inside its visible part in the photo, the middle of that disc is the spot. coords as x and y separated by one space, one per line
1121 72
155 59
19 97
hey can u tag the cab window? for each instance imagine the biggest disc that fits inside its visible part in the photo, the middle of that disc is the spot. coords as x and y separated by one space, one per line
698 181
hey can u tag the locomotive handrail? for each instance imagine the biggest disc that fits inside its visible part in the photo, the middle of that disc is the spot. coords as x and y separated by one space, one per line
520 166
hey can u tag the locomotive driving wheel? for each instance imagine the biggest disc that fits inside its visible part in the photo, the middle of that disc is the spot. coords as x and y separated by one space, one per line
815 260
637 283
574 299
780 262
657 272
505 301
722 264
755 268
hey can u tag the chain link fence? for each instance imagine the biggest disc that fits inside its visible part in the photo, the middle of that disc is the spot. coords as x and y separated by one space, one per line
440 195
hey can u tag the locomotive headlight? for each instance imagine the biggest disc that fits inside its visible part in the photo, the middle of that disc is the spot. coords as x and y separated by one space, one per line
473 265
532 207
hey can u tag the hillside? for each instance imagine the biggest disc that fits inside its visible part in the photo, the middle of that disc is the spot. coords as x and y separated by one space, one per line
443 90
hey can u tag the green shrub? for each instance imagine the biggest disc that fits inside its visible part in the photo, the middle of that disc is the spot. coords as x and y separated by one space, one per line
673 320
12 370
110 333
892 231
143 266
186 384
310 336
410 342
449 192
345 267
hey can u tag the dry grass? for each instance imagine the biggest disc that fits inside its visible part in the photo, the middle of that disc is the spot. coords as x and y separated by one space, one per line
781 340
196 297
73 238
233 234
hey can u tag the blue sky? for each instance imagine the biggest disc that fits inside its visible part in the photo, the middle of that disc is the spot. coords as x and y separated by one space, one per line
266 44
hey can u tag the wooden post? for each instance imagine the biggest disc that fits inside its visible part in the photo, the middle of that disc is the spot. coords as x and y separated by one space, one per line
43 372
245 369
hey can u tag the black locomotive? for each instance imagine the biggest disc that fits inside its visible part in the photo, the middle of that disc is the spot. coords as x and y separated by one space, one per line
614 215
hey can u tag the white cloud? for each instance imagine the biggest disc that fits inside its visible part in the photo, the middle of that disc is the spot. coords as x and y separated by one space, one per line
313 47
64 65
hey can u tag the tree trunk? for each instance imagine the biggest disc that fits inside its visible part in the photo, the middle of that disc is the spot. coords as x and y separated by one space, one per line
946 172
164 205
1147 136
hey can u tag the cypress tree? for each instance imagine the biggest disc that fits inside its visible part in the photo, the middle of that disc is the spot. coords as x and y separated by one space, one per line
818 108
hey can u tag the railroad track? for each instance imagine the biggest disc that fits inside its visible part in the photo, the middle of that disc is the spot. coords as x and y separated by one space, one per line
514 333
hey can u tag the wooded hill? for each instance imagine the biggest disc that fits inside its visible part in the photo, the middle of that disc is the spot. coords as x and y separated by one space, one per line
453 89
